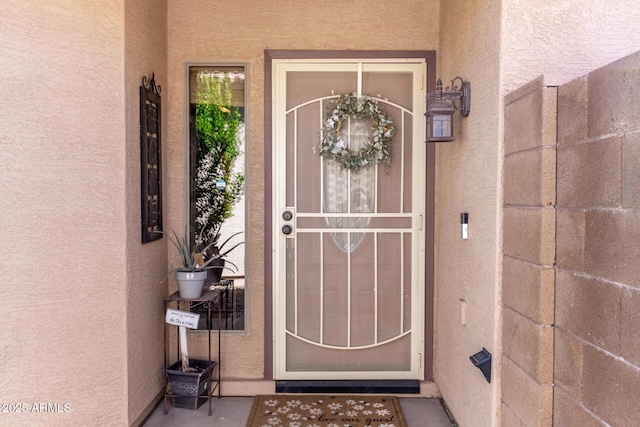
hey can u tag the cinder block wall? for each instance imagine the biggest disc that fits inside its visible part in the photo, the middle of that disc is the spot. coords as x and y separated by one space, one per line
597 352
571 268
529 253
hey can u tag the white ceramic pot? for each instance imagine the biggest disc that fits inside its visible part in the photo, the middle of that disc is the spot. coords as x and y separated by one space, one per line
190 283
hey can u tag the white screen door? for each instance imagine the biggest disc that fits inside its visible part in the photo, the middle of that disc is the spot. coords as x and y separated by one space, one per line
349 277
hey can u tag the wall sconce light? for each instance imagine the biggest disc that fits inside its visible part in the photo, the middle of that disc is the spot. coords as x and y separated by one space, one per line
440 113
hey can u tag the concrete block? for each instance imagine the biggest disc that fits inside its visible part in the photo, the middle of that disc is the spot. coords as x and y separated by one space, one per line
529 345
525 90
631 171
612 389
573 112
531 117
589 308
529 234
508 418
523 118
630 326
529 177
611 245
567 412
589 174
529 289
614 97
570 238
568 362
549 116
530 401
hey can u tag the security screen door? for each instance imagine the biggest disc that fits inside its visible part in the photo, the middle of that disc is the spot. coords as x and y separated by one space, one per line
348 246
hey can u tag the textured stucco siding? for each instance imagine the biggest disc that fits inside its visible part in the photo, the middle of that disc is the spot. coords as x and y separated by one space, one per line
62 257
565 39
145 53
468 180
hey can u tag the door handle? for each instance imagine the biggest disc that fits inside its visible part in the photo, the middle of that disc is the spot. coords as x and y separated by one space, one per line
287 215
287 229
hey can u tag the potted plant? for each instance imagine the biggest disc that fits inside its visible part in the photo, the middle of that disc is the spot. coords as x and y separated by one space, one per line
218 187
193 270
217 255
190 388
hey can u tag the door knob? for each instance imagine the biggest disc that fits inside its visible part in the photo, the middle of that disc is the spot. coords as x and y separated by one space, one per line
287 229
287 215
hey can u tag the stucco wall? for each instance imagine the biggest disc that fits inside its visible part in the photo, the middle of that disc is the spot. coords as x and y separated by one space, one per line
145 52
62 256
564 39
467 180
241 31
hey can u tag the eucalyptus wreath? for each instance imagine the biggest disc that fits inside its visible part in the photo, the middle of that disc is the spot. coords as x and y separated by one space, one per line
377 150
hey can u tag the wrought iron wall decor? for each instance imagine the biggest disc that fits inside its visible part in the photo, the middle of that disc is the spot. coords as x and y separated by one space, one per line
150 160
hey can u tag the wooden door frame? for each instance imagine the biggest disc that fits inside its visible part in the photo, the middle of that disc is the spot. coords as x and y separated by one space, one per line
269 55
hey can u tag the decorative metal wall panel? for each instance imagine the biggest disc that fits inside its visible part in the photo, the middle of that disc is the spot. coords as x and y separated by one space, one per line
150 160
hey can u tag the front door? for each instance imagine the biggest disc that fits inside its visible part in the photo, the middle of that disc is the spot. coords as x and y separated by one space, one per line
348 243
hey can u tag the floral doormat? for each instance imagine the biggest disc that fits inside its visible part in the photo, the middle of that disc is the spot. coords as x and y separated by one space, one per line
295 410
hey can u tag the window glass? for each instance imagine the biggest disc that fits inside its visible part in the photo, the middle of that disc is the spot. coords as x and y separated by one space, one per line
217 121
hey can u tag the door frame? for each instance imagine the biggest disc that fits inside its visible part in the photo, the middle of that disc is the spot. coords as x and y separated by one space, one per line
430 58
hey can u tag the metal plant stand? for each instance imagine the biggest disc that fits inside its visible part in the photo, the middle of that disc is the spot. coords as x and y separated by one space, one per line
206 301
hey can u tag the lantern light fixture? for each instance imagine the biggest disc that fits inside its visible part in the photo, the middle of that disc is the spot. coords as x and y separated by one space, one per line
456 97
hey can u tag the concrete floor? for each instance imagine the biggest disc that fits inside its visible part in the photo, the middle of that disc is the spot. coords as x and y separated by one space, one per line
234 412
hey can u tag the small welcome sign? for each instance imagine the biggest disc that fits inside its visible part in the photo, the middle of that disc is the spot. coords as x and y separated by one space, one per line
182 318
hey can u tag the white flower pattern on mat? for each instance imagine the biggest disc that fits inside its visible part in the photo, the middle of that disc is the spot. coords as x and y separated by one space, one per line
294 416
334 406
387 425
315 411
271 402
294 403
383 412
